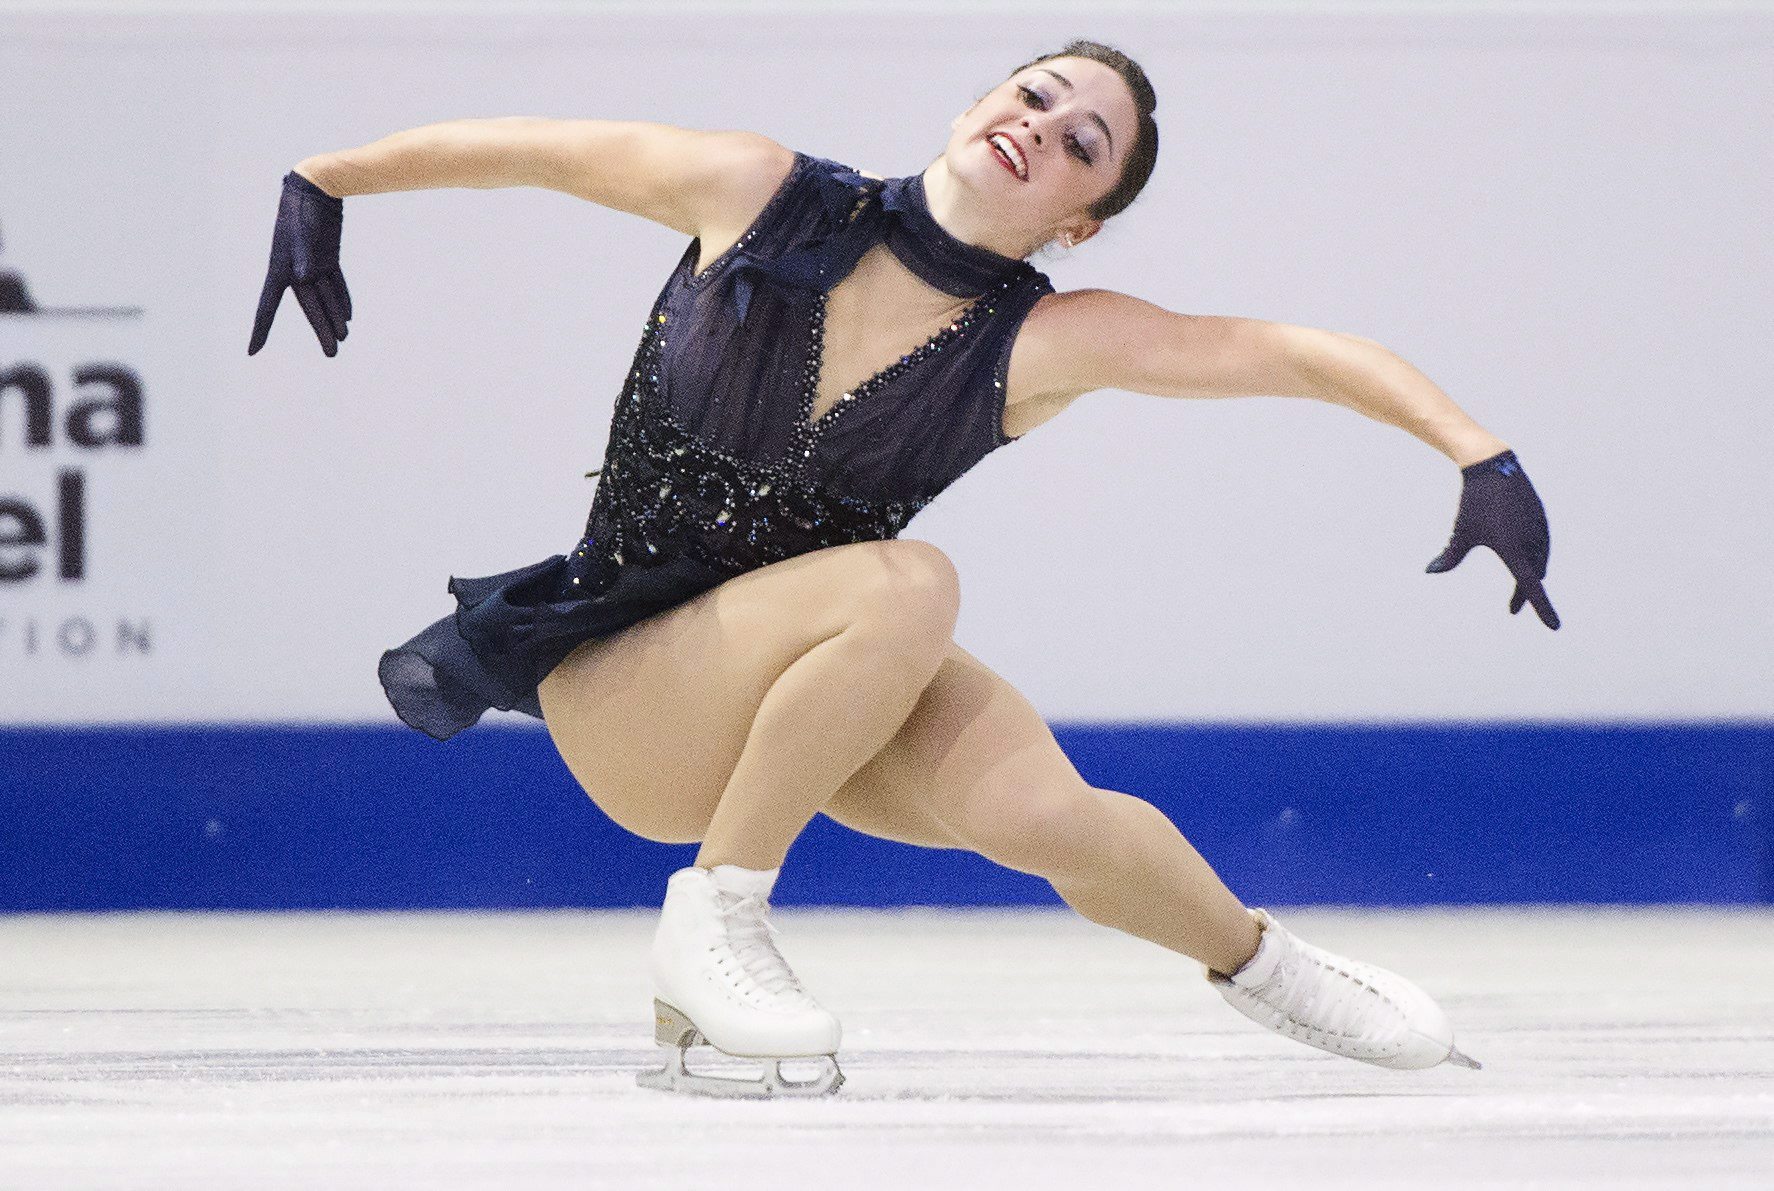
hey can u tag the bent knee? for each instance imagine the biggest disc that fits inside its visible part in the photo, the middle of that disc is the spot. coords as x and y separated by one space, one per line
910 586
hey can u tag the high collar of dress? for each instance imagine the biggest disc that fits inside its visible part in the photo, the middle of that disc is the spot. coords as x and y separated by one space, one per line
901 219
928 250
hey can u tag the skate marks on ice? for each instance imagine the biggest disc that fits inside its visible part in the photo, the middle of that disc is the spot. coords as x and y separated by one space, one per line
1027 1047
65 1077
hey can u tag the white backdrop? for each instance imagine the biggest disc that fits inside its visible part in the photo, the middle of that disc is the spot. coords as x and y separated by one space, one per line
1561 217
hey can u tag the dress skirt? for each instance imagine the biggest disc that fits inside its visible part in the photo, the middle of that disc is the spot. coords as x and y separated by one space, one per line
510 630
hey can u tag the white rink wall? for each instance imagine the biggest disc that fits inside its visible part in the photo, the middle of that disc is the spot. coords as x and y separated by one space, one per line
1558 212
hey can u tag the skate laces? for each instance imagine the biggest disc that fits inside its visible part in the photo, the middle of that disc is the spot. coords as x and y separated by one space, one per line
751 936
1311 989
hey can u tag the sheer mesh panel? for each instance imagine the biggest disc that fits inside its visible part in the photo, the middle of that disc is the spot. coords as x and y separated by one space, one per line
710 470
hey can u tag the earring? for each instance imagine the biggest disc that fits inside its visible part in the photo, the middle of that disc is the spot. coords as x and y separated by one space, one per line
1069 241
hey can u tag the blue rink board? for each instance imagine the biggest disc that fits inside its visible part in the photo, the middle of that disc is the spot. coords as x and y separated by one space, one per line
384 818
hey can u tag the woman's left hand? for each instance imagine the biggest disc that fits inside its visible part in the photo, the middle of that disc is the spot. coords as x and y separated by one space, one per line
1500 509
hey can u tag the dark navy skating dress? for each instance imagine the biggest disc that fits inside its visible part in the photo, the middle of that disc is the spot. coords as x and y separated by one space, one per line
712 468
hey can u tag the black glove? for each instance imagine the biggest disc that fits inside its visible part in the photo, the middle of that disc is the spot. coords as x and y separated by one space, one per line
305 257
1500 509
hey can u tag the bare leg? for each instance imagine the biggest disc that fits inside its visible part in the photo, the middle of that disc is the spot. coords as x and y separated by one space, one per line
832 710
1149 881
975 767
796 669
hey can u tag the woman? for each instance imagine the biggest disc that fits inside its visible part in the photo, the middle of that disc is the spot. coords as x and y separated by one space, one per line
740 641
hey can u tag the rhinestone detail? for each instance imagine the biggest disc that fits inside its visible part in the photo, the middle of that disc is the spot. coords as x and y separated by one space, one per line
665 492
808 429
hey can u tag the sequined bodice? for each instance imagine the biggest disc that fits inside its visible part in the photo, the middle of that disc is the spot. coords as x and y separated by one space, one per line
713 450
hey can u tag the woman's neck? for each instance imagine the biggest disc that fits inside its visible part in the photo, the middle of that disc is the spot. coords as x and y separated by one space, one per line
966 223
879 273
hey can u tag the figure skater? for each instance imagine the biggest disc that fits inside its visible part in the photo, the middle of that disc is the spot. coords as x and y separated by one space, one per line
741 640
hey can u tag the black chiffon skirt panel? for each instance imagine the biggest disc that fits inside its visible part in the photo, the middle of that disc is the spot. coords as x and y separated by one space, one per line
510 630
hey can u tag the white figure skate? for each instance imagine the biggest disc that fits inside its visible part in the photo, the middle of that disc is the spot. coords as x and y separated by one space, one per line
1351 1009
718 979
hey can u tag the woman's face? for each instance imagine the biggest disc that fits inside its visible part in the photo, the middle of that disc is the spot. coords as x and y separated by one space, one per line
1070 123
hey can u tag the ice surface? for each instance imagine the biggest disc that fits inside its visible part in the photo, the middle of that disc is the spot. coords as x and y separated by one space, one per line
982 1049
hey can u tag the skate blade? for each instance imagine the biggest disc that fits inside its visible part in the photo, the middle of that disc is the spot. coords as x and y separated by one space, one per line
1463 1060
770 1085
676 1034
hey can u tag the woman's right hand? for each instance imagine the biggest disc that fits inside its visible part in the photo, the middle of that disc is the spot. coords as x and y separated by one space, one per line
305 258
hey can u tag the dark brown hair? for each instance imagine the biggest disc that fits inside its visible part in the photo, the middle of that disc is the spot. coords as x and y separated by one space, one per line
1144 154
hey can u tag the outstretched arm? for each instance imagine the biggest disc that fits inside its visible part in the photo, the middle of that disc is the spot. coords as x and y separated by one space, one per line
1099 339
1112 340
683 178
698 183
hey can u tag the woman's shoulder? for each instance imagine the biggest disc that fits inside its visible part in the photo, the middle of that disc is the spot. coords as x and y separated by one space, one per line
758 168
753 169
777 195
1041 377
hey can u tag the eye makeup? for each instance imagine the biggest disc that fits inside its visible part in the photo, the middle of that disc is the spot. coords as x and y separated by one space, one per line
1039 101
